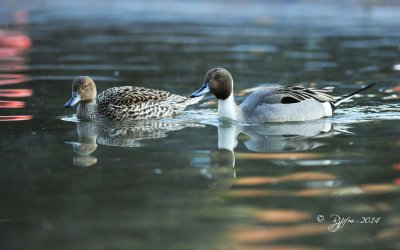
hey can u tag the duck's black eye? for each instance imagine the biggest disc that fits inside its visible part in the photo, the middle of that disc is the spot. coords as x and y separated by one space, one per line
217 77
85 86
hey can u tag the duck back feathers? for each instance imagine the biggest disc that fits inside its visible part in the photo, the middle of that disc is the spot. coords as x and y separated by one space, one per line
136 103
293 94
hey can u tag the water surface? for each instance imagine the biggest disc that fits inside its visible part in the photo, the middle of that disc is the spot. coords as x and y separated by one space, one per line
192 181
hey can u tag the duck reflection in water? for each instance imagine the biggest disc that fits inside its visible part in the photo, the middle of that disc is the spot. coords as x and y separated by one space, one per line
287 137
273 139
119 134
86 145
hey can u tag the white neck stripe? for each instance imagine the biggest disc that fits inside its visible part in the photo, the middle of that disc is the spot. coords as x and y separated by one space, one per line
227 108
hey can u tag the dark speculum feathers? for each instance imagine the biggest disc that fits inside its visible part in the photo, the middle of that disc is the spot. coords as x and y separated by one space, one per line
288 100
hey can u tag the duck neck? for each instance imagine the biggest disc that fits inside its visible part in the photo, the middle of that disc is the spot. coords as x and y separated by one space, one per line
87 110
229 109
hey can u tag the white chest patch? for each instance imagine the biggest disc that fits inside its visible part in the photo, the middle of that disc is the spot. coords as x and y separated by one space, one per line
226 108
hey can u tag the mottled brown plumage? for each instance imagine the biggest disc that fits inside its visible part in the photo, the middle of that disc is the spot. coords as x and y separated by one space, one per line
124 103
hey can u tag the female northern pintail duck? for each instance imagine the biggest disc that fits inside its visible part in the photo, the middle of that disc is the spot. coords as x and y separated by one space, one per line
124 103
270 104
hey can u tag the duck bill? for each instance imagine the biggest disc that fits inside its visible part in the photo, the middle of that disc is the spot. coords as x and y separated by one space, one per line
74 100
204 89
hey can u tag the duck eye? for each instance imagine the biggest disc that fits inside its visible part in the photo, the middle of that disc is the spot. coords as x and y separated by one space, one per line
85 87
217 77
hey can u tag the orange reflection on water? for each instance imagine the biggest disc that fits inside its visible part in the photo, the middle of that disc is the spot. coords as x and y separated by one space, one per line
388 234
302 176
254 235
316 192
15 92
13 118
11 104
284 156
272 247
281 216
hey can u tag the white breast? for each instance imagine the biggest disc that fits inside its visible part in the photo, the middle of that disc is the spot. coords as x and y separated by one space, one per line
227 108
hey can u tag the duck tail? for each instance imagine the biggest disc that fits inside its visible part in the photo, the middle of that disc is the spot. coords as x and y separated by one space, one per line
348 96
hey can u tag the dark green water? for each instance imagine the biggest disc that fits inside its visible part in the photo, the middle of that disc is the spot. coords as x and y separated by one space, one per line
191 181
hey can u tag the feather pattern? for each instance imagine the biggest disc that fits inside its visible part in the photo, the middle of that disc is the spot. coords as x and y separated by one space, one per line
125 103
136 103
300 94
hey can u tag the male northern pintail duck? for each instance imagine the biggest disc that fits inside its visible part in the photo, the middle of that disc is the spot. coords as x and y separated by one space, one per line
124 103
270 104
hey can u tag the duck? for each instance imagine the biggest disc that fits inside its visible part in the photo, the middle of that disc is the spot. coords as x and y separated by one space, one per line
270 104
124 103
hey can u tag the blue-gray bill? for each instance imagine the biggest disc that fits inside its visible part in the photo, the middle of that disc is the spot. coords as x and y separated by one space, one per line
204 89
74 100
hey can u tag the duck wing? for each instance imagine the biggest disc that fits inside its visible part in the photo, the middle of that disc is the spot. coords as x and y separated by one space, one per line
128 95
133 103
294 94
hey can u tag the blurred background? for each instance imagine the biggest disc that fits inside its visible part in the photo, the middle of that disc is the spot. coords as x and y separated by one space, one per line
172 183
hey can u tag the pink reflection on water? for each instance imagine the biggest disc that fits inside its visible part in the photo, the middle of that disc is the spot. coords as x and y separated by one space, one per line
6 79
11 104
13 45
14 39
13 118
8 52
15 92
